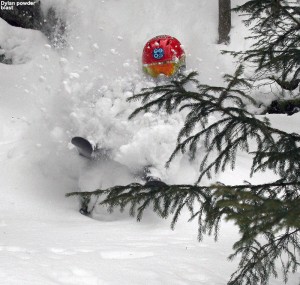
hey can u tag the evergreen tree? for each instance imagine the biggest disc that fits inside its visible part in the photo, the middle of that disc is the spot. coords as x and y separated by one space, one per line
267 215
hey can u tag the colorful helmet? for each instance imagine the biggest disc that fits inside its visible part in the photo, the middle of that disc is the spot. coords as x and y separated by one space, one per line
163 55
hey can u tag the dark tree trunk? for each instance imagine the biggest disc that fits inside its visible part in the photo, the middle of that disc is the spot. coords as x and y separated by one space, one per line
224 21
24 16
32 17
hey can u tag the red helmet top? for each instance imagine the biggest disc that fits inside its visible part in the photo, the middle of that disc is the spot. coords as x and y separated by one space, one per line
162 49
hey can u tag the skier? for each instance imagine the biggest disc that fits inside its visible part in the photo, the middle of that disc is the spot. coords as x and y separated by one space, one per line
163 55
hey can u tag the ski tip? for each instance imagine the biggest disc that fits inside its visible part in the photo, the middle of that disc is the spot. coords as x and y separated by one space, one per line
84 147
153 183
85 212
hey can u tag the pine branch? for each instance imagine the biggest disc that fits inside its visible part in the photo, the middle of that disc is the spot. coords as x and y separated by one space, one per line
285 10
227 135
275 32
258 261
215 201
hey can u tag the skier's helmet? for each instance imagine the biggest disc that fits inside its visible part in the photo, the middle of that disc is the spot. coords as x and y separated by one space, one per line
163 55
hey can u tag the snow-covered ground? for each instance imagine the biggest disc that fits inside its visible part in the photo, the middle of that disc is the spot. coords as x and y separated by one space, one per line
48 96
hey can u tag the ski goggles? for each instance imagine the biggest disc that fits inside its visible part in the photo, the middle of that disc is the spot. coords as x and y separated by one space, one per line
168 68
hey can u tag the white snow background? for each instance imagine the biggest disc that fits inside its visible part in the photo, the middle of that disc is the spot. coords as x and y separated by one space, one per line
50 95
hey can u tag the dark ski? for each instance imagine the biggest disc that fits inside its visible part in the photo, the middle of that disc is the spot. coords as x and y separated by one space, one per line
83 146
